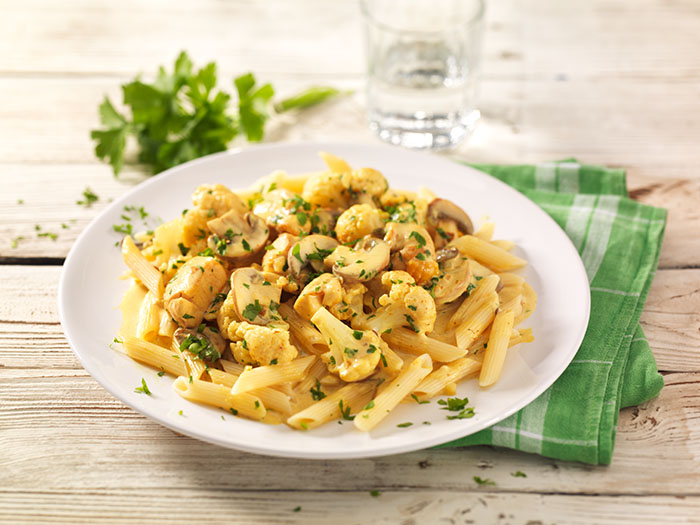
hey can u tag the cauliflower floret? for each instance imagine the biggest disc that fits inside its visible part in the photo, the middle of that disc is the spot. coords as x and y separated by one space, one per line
285 211
327 189
261 345
357 221
353 354
367 185
406 304
210 200
326 290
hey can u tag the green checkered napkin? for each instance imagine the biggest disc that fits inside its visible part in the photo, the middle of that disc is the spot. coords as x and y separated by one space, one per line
619 242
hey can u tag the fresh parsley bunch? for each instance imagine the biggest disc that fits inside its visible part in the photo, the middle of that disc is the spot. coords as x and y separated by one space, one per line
182 115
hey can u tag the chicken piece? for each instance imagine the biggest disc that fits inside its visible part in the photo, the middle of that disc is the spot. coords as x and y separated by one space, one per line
192 289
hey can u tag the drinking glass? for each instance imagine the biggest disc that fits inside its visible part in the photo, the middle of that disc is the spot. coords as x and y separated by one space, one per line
423 69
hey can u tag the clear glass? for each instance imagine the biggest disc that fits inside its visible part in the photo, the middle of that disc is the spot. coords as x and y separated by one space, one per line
423 70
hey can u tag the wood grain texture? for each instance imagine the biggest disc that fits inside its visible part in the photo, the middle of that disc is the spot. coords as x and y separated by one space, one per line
416 507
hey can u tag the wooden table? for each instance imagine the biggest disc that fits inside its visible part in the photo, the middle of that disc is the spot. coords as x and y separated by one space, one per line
609 82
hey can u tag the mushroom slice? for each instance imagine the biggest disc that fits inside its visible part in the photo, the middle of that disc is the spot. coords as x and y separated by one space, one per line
454 280
399 235
369 257
444 210
256 295
445 254
310 251
204 342
237 236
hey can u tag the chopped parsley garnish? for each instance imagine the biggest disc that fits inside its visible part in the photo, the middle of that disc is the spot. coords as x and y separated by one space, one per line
518 474
350 352
483 482
357 334
187 316
374 493
161 373
411 323
404 425
183 249
252 310
143 389
201 347
126 228
89 197
234 411
369 405
415 397
418 237
455 404
443 234
273 361
296 252
296 509
345 411
316 393
246 246
383 357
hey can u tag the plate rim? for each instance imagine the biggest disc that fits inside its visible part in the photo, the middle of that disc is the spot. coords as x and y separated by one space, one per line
380 449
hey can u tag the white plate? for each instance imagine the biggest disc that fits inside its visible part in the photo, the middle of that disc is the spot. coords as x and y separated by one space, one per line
90 292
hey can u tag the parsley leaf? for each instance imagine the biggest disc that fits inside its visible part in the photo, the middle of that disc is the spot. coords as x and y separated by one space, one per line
143 389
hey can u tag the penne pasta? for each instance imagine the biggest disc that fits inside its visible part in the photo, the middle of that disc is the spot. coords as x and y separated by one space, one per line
143 270
261 376
303 331
392 395
495 352
474 325
503 244
473 301
493 257
154 355
485 231
408 341
329 408
439 379
219 396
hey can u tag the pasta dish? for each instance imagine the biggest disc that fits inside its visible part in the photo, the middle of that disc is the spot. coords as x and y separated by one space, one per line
325 296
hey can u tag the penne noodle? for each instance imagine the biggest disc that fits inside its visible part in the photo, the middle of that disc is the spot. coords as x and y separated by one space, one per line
439 379
232 367
154 355
167 327
268 375
392 395
474 325
270 397
503 245
195 366
143 270
529 303
352 396
487 254
478 270
514 304
312 374
335 164
474 300
149 318
303 331
496 350
220 396
485 231
413 343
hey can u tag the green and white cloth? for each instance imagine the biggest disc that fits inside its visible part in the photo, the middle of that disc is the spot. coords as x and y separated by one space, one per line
619 242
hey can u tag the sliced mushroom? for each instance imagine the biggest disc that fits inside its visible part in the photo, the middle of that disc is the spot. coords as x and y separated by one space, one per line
256 295
399 235
237 236
454 280
311 250
369 257
445 254
324 220
204 342
444 210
